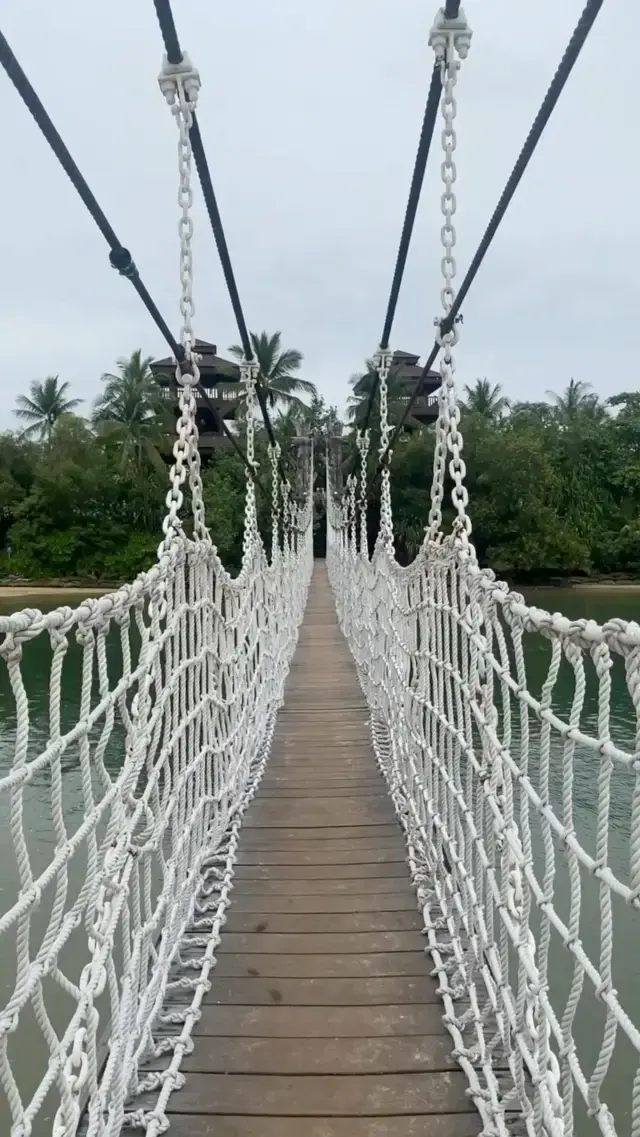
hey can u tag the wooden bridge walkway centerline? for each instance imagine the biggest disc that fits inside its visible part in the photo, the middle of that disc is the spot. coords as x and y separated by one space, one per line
322 1018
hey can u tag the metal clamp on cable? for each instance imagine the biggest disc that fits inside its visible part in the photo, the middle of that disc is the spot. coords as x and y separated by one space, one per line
174 76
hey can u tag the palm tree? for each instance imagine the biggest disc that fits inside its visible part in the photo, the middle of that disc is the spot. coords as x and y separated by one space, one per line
131 411
536 414
277 369
44 405
399 391
485 400
577 399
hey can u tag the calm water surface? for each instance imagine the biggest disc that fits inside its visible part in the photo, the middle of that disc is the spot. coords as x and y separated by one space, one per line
26 1047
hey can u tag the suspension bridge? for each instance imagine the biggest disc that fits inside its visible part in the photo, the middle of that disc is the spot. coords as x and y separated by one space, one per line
327 885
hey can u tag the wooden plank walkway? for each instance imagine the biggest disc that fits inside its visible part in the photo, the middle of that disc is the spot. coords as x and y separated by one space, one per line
322 1019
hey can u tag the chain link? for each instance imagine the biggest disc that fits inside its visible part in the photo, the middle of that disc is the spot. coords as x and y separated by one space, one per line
362 442
180 84
274 455
450 40
382 360
249 376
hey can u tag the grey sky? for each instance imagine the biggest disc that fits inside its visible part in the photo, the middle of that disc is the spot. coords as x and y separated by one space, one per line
310 115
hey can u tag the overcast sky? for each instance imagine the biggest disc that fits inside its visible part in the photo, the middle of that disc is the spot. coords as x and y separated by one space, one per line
310 114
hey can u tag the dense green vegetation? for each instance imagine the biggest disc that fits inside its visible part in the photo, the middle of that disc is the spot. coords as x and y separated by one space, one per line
554 485
85 497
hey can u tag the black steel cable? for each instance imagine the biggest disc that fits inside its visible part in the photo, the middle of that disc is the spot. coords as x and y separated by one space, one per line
174 55
119 257
565 67
422 154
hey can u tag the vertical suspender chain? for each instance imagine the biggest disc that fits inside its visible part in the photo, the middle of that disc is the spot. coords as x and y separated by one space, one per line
180 84
450 40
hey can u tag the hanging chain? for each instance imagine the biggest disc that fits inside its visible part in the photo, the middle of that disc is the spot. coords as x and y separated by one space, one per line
450 40
249 376
362 442
383 359
274 455
180 84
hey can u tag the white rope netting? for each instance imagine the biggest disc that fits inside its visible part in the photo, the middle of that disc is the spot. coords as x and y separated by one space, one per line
123 815
492 722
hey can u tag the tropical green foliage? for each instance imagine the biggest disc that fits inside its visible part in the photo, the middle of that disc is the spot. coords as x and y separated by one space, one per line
46 402
554 486
278 369
131 414
399 391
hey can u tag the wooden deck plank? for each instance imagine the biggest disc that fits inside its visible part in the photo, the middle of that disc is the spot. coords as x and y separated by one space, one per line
321 943
383 964
346 856
321 871
322 1016
309 923
254 991
324 903
439 1125
321 1055
365 1095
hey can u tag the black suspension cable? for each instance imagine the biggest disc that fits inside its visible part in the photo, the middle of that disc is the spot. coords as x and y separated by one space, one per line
451 12
424 145
174 55
119 257
565 67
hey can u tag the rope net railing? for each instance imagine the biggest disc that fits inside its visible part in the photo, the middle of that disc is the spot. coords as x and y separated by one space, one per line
518 788
121 808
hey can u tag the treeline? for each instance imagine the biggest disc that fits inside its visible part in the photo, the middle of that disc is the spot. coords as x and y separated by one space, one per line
554 486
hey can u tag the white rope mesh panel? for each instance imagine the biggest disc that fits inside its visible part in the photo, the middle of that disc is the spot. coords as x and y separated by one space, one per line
485 713
182 673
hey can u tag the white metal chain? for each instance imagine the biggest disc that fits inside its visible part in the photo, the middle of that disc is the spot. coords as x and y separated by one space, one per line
362 442
450 40
180 84
274 455
249 377
382 360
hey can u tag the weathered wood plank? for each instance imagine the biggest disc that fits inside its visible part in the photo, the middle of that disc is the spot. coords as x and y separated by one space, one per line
350 855
379 1095
253 991
329 833
346 966
321 871
404 901
323 943
320 1022
295 1056
439 1125
284 923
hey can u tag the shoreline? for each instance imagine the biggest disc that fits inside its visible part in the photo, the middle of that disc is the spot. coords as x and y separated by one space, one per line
9 591
631 586
15 591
